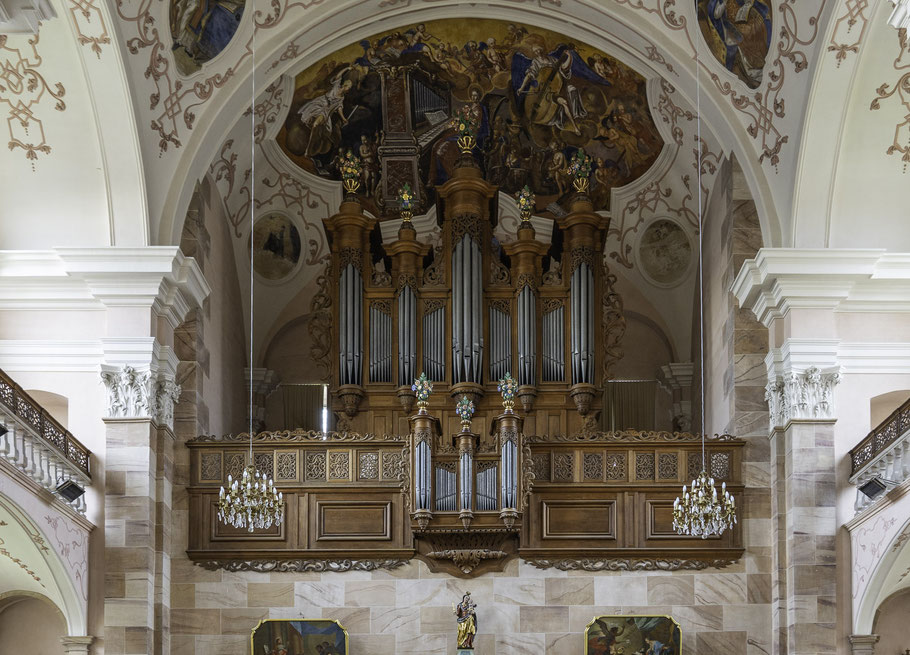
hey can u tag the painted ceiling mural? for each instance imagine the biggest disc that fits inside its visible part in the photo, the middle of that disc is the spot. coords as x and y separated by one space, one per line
537 95
738 32
201 29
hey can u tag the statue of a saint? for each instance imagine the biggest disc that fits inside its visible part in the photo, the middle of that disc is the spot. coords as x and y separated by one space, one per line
467 621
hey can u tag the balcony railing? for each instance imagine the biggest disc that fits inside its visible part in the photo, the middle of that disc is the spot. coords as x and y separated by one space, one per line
885 453
38 445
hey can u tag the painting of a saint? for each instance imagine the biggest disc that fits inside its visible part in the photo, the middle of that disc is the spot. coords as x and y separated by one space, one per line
276 246
536 97
299 637
664 252
633 635
739 34
201 29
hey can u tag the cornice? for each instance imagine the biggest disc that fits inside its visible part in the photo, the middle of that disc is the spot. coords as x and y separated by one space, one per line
845 280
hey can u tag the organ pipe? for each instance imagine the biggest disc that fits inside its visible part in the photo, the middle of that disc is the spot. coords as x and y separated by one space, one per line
407 336
467 294
350 319
527 336
434 344
500 343
582 327
554 345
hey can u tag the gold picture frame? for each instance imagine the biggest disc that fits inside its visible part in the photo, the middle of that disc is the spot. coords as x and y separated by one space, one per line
633 631
289 647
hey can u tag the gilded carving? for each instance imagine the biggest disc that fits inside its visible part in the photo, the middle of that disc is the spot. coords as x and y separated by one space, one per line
466 549
369 466
320 326
667 466
500 304
564 467
528 474
629 564
644 466
582 255
315 466
593 466
302 565
616 466
423 435
210 466
631 436
383 305
403 281
352 256
466 223
286 466
432 305
553 277
552 304
526 280
296 436
435 275
404 476
390 465
264 463
499 274
339 465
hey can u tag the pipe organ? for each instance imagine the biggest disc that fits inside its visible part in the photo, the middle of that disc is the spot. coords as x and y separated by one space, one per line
536 479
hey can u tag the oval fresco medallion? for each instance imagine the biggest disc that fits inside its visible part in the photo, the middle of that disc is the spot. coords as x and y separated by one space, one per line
664 252
201 29
536 97
276 244
738 32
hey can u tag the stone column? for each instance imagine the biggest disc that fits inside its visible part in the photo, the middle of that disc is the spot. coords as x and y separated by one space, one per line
863 644
76 645
139 374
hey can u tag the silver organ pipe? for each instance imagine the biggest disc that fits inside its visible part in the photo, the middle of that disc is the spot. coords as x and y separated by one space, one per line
553 338
350 319
487 498
434 344
527 336
423 467
509 459
407 336
467 293
466 475
380 345
582 328
446 490
500 343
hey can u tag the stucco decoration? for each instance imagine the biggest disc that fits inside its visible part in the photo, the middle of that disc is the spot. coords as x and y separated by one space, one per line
808 395
899 89
849 30
91 28
664 252
201 29
26 95
738 33
534 98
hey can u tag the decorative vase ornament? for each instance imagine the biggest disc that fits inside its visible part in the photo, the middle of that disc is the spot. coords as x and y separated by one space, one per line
351 172
507 387
526 203
422 389
405 202
464 123
465 410
580 170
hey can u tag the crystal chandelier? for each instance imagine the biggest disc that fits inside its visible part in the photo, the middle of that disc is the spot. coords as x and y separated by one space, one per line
700 512
251 502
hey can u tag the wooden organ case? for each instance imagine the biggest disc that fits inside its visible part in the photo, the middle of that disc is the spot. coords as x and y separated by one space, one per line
396 482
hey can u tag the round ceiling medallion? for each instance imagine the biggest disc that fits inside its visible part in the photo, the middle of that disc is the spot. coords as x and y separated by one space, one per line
276 247
664 252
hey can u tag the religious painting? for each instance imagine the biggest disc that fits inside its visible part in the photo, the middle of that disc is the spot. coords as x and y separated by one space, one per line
738 32
201 29
276 246
536 97
633 635
664 252
299 637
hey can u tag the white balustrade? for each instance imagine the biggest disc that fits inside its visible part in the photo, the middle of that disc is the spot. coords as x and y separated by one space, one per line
891 464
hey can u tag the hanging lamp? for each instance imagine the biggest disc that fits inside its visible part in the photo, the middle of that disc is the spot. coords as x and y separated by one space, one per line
700 511
251 501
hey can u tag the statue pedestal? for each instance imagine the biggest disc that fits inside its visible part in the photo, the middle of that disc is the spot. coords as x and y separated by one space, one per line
465 651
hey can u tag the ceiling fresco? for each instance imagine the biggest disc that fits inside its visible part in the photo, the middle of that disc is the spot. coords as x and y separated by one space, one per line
738 32
538 97
201 29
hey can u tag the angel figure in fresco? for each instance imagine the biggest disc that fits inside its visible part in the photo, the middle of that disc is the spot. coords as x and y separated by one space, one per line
738 33
467 621
546 86
318 114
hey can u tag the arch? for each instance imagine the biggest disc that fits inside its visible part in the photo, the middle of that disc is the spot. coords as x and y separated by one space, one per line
881 406
30 615
40 570
617 30
890 623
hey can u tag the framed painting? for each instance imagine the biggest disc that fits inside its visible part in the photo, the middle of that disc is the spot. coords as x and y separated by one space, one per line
633 635
299 637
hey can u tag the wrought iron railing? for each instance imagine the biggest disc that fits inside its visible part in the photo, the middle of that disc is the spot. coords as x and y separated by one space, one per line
881 438
16 402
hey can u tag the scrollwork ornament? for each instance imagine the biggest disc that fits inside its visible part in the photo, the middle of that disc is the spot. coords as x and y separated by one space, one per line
348 255
527 474
526 280
632 436
629 564
406 280
320 326
614 323
302 565
582 255
434 275
466 223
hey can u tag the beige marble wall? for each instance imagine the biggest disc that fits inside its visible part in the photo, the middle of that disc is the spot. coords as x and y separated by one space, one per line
522 611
